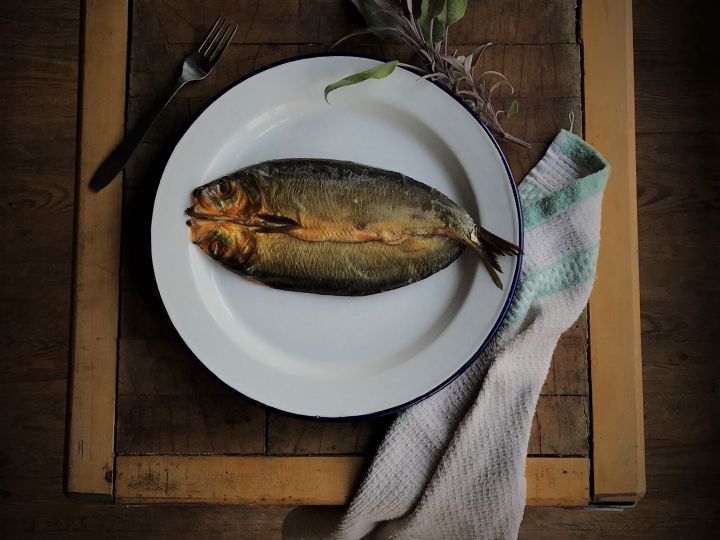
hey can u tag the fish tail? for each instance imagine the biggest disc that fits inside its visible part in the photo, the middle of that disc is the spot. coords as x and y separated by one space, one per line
490 247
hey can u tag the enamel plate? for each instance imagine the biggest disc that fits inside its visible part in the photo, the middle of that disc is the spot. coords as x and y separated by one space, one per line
332 356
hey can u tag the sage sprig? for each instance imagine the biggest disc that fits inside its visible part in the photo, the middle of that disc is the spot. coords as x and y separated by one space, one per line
427 35
379 72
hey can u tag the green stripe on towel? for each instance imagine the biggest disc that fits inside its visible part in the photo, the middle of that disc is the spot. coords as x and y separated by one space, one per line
543 210
569 271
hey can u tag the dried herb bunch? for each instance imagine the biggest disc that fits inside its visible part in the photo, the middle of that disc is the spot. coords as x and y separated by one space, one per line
427 35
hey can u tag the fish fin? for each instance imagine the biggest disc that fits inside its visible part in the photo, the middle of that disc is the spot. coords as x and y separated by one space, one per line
275 223
274 228
490 247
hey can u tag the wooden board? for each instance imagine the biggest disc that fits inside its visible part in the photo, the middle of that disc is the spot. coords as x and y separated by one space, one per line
616 360
558 481
297 480
293 436
544 68
677 183
236 479
97 245
169 405
318 21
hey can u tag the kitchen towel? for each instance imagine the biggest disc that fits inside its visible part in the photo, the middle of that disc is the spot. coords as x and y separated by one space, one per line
453 466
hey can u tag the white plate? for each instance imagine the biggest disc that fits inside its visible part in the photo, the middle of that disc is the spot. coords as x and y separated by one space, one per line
331 356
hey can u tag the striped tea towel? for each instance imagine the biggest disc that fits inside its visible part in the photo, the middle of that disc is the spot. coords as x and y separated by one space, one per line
453 466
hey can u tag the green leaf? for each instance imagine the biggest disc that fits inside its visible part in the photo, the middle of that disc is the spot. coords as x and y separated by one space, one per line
429 11
378 72
442 14
513 109
453 12
375 13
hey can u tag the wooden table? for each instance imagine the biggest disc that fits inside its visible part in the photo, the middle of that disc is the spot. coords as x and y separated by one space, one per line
149 423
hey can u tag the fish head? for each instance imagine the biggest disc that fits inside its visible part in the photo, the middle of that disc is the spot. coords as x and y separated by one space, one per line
231 244
229 196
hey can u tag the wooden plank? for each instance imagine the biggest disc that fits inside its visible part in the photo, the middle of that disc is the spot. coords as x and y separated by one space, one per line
170 126
189 424
146 167
509 21
297 480
558 481
169 403
568 374
325 21
164 367
545 77
560 426
296 436
540 118
535 70
36 288
142 314
237 479
97 248
616 361
680 333
522 160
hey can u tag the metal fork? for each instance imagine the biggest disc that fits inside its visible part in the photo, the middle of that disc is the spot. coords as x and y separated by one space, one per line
196 67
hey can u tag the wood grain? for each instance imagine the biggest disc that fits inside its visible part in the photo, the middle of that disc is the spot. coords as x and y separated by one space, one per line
616 361
546 80
237 480
295 436
560 426
26 211
142 314
190 424
38 106
558 481
323 21
677 191
169 403
535 70
568 374
35 289
97 244
163 367
295 480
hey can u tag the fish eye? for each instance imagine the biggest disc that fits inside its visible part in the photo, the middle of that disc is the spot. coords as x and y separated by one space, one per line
224 187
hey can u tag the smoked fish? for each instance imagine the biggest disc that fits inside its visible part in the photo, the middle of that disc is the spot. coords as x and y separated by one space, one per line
334 227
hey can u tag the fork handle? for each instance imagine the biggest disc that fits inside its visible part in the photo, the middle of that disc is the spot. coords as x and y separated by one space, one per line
115 162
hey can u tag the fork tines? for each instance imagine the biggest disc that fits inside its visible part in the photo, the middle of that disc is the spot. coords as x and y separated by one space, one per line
217 39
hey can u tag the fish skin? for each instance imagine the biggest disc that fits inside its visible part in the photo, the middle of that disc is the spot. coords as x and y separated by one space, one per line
338 268
339 201
317 208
